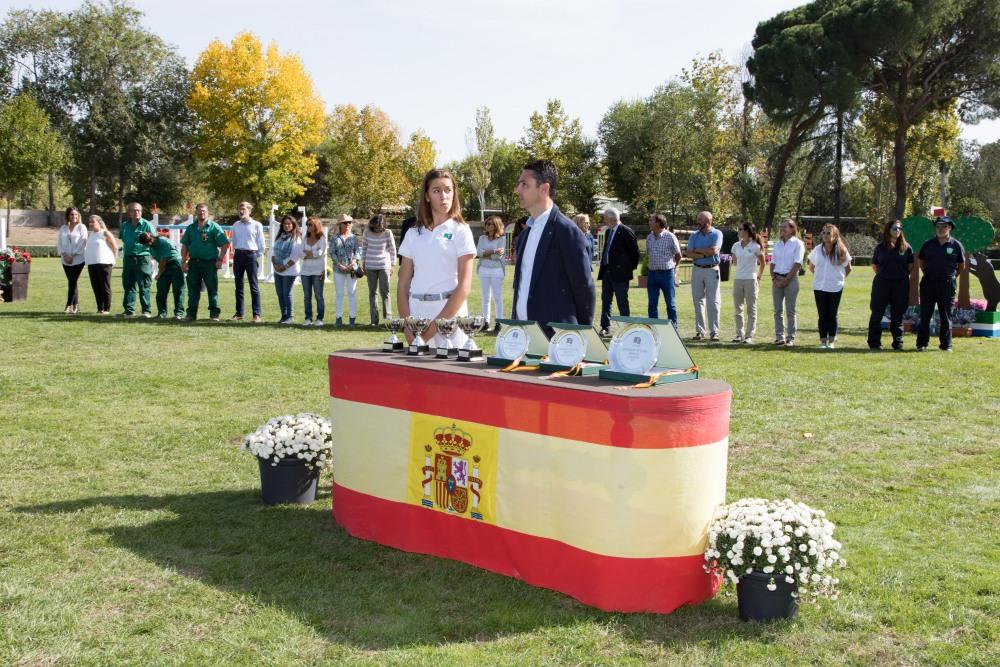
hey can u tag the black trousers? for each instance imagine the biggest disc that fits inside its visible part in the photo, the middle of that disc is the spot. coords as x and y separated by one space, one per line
245 263
941 293
620 291
72 279
100 281
827 305
894 294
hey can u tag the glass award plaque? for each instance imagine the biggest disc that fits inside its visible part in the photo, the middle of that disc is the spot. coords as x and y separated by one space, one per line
519 341
648 352
575 349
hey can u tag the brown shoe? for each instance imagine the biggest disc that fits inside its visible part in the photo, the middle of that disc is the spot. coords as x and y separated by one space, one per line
256 319
236 318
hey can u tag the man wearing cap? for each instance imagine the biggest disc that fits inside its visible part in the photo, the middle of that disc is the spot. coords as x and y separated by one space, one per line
203 247
137 274
248 247
169 275
618 261
940 259
703 249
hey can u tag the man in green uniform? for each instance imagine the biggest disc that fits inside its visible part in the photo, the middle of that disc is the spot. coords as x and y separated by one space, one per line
170 274
203 247
137 274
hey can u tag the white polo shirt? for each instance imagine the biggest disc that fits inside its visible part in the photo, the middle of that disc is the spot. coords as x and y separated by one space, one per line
435 256
746 260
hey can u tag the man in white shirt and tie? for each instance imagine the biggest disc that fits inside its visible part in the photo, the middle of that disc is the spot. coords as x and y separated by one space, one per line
552 278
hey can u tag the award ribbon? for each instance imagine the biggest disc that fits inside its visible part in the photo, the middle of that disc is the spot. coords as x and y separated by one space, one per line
651 382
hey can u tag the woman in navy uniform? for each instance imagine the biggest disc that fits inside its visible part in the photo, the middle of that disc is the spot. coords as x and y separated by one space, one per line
941 259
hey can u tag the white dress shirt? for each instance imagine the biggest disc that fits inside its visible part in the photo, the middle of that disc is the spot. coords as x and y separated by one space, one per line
535 228
829 275
787 254
72 242
248 235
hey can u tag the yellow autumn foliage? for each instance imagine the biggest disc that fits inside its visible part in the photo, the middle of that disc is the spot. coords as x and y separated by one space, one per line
256 116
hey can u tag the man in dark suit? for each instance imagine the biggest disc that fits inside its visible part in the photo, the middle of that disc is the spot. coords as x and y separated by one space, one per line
618 261
552 277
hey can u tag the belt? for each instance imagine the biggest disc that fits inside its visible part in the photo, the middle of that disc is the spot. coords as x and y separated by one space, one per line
705 266
252 252
659 270
432 297
780 275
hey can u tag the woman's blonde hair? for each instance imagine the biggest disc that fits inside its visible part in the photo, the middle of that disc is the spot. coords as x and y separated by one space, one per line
100 221
314 228
496 222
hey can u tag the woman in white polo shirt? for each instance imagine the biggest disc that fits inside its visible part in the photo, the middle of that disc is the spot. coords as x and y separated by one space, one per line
831 263
748 256
435 275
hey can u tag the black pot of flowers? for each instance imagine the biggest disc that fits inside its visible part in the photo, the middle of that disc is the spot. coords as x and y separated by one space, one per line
291 481
759 604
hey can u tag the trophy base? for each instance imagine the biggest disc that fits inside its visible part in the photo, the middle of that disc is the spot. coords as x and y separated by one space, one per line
393 347
415 350
445 352
469 355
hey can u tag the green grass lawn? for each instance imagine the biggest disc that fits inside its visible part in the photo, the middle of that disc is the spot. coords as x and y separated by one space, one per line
131 529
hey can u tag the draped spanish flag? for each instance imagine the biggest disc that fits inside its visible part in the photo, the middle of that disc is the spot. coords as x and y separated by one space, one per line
602 493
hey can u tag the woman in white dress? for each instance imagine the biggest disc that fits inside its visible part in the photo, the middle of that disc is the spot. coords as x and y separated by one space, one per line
435 275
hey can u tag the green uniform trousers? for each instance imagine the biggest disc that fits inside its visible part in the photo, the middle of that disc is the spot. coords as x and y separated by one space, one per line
171 276
137 275
202 271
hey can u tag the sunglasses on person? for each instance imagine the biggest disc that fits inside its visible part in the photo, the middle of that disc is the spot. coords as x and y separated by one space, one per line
896 228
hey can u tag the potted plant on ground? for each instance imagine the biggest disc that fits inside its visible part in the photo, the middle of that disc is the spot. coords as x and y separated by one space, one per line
15 267
775 552
644 271
291 452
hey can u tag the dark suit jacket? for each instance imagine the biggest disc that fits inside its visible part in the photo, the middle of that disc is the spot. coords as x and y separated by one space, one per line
623 256
562 286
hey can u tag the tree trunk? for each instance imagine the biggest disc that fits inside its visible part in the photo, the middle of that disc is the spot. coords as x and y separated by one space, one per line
482 205
93 186
779 176
899 166
838 179
52 198
943 175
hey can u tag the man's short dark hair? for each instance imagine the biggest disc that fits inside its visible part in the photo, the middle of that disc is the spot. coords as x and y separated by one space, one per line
661 220
544 172
145 238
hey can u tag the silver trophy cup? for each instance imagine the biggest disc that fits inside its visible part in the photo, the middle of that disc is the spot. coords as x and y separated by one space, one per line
417 326
447 327
394 325
471 325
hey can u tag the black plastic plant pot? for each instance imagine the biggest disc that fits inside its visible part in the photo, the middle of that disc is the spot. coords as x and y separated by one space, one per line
759 604
289 482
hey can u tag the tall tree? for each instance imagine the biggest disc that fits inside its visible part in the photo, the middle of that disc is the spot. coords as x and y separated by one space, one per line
256 116
800 75
508 161
482 145
419 157
28 145
624 133
921 55
367 160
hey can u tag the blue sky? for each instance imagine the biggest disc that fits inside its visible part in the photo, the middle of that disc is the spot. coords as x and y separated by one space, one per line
429 64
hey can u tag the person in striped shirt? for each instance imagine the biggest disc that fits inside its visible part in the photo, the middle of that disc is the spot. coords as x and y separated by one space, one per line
378 253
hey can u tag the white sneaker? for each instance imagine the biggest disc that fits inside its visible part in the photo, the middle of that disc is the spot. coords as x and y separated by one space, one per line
318 323
829 345
307 323
822 345
748 341
287 320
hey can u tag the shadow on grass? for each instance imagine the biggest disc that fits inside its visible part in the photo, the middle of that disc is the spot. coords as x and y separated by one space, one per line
202 321
356 592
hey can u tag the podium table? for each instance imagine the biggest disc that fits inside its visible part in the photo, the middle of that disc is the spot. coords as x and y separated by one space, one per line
601 491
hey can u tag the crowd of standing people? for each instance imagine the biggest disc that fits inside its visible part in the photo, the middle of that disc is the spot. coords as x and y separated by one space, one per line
552 257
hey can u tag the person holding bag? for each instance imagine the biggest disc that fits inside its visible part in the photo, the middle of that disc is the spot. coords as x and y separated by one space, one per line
346 254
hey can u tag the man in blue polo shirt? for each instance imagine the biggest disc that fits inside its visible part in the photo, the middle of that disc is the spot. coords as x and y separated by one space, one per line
941 259
703 249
